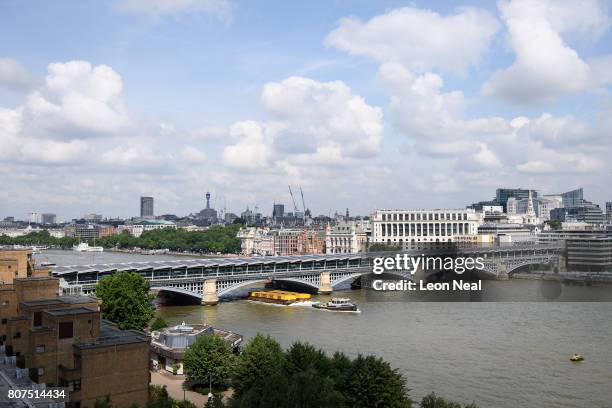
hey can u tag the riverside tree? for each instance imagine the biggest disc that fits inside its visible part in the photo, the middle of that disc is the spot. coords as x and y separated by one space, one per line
434 401
210 357
158 323
259 367
373 383
306 377
126 300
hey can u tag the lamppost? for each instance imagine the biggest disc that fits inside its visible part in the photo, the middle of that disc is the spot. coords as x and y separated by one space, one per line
210 394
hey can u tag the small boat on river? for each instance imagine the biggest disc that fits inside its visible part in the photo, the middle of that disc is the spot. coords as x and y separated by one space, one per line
338 305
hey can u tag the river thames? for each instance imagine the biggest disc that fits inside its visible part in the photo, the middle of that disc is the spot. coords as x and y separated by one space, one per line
509 349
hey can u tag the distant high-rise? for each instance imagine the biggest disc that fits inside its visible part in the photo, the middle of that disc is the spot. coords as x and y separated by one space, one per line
503 194
146 207
609 210
278 211
48 218
34 218
572 198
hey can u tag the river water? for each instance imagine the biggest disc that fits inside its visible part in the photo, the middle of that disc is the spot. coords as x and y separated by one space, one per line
509 349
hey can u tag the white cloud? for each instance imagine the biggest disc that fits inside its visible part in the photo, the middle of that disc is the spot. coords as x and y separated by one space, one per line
419 39
546 66
156 9
193 155
434 119
14 76
312 122
76 101
253 147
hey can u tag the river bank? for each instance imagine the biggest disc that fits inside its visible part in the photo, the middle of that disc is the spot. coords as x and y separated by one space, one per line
500 354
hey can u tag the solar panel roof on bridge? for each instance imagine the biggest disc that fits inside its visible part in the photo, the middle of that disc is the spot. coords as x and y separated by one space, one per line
198 263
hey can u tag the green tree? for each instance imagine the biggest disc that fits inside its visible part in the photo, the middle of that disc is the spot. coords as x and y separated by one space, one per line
216 402
210 356
159 397
126 300
158 323
434 401
310 389
265 393
260 367
304 356
373 383
340 371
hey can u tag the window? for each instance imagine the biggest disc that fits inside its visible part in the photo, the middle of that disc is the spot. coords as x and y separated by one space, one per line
41 371
4 321
40 348
17 335
37 319
65 330
76 385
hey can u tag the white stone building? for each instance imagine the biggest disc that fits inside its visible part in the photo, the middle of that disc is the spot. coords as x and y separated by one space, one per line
413 228
347 237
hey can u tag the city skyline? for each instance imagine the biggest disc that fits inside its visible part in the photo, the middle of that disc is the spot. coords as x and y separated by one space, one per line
171 100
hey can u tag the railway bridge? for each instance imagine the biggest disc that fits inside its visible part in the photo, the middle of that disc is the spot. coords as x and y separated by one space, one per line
208 279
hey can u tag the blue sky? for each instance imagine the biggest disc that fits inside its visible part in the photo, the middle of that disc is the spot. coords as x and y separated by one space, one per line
403 104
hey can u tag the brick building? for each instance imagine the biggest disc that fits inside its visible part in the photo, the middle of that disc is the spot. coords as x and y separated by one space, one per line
63 341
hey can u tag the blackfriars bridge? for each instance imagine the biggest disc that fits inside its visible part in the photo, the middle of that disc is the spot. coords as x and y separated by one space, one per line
208 279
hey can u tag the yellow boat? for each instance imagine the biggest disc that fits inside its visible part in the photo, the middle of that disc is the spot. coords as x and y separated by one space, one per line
279 296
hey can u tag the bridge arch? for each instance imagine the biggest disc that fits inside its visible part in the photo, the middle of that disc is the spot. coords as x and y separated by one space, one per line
342 279
233 287
177 290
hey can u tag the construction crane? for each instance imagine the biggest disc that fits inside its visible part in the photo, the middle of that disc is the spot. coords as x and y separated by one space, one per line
293 199
303 203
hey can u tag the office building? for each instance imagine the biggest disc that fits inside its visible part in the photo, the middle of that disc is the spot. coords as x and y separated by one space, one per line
230 218
589 253
503 194
512 206
507 233
278 212
481 204
83 232
137 228
585 212
546 204
92 217
34 218
420 228
609 211
62 341
48 218
572 198
146 207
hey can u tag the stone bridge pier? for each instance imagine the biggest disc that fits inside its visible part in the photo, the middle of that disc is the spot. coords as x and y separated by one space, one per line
325 287
209 293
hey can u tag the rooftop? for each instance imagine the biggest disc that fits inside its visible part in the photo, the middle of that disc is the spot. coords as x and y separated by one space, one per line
110 335
66 300
198 263
71 311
